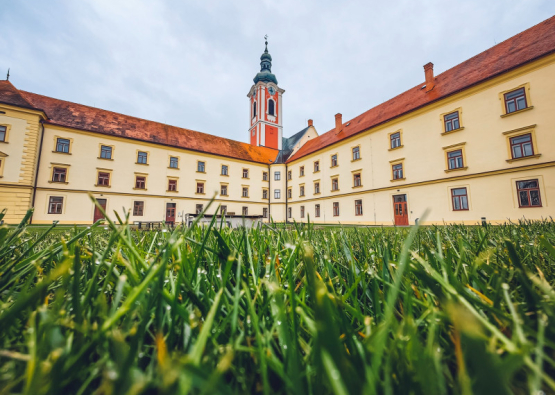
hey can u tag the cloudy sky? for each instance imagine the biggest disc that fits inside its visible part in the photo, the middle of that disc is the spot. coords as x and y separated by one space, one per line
191 63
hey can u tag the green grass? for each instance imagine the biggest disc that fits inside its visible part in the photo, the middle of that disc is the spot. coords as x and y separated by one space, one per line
436 310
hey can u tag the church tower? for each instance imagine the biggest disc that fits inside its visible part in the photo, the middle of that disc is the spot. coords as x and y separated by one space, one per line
266 114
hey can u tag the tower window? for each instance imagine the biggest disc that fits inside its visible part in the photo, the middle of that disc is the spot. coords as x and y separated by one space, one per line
271 107
254 109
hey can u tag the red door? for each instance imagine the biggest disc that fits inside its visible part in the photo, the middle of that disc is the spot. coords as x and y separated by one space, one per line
400 210
170 213
97 213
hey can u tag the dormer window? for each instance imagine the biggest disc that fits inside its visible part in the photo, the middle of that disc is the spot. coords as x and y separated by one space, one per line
271 107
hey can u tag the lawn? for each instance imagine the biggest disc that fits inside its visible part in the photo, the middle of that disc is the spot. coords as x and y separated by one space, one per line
207 310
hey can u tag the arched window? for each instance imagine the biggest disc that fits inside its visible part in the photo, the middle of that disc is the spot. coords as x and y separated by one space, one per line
271 107
254 109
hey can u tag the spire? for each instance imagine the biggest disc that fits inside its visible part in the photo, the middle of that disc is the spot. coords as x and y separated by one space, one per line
265 74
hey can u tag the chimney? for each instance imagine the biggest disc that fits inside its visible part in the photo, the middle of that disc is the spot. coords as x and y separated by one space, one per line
429 72
338 122
310 123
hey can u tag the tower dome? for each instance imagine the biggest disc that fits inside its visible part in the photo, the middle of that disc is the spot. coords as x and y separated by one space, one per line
265 74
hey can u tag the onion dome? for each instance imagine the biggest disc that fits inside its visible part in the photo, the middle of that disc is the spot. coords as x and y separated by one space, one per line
265 74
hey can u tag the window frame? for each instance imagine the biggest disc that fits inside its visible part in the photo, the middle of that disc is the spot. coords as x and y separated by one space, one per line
302 211
528 100
137 176
138 154
277 193
442 116
458 198
265 176
515 133
317 187
70 145
264 212
200 187
527 190
199 208
265 194
142 206
394 163
316 166
199 166
244 211
334 158
358 154
277 175
390 140
61 205
172 181
103 171
226 174
6 132
358 205
65 172
335 182
243 189
176 167
355 174
222 186
336 211
290 193
301 190
245 173
102 146
273 113
515 100
289 175
317 210
301 171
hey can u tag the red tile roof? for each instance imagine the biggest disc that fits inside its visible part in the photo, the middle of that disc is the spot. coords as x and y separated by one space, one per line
10 95
525 47
78 116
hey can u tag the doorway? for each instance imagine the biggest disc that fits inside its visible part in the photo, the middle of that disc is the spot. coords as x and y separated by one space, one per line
400 212
170 213
97 213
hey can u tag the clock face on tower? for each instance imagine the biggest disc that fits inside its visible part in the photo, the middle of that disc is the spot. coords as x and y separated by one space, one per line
271 90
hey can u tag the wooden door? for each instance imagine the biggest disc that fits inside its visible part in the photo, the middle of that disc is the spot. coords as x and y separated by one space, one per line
97 213
170 213
400 212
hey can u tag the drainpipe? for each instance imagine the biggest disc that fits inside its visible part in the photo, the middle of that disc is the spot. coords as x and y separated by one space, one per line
286 197
37 171
269 193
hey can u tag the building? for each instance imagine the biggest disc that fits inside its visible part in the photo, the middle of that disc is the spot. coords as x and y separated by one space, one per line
474 141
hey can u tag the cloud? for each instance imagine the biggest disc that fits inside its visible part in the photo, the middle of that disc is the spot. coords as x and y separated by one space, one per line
191 63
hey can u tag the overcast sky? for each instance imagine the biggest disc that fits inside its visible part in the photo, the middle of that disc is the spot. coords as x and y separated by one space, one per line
191 63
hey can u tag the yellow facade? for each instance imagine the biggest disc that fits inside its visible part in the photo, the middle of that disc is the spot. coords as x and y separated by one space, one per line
482 138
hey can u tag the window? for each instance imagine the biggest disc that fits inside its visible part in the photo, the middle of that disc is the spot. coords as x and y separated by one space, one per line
335 184
200 187
265 176
289 212
277 194
59 174
245 173
455 159
3 132
105 152
528 193
316 166
223 190
277 175
521 146
515 100
62 145
224 170
317 210
302 211
254 109
289 193
172 185
356 153
301 171
223 210
336 209
357 180
245 210
334 160
316 187
200 167
103 179
271 107
301 190
264 194
395 140
265 212
140 182
199 208
289 175
451 121
174 162
459 198
142 157
397 171
358 207
55 204
245 192
138 208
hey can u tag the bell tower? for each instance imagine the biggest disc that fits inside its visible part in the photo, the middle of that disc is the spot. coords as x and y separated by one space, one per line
266 114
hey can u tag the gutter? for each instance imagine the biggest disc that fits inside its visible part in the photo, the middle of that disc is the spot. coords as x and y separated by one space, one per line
37 171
